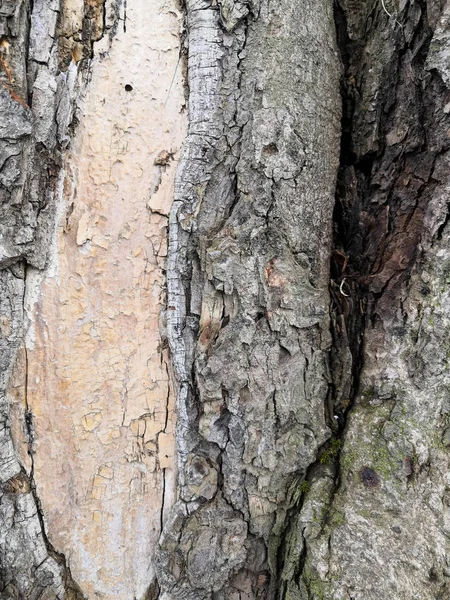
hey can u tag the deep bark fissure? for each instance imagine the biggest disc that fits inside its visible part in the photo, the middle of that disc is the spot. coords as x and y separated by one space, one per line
350 266
382 198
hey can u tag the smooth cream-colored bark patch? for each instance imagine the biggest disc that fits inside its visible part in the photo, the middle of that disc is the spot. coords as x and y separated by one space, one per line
97 387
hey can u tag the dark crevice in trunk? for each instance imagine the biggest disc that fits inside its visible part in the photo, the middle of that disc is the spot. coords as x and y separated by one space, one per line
347 300
441 228
372 220
377 225
381 199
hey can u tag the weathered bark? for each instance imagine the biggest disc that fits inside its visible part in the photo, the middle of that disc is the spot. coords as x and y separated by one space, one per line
36 101
87 402
247 315
307 278
374 523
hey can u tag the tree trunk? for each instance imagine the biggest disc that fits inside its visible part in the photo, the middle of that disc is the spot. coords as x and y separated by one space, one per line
224 305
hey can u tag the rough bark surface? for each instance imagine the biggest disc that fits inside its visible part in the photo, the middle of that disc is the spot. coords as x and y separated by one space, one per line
374 523
307 274
248 270
36 100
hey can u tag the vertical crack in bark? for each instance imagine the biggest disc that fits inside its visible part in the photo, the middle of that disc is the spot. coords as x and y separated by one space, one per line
389 214
164 430
28 416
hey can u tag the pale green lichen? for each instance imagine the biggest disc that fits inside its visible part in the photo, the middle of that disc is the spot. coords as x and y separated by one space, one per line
330 454
317 588
348 459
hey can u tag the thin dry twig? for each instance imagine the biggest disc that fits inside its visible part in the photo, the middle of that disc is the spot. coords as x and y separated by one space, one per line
390 14
385 9
341 290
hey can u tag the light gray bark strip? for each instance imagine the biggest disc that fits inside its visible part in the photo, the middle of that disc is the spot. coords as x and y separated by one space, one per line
248 326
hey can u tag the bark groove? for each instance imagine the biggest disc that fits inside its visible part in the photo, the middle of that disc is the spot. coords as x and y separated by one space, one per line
387 476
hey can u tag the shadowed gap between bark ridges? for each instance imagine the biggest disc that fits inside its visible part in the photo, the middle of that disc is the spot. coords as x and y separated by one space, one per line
358 301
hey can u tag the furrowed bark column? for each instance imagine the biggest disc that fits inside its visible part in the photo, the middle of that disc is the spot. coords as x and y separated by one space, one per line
248 272
375 521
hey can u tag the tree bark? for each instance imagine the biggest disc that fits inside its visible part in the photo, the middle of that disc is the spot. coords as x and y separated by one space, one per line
247 317
378 528
291 341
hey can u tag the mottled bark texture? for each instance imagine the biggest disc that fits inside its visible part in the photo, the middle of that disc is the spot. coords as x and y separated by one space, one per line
37 100
375 521
248 272
248 305
308 285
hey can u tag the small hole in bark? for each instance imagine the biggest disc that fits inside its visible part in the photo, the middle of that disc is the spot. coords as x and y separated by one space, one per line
128 88
270 149
433 575
369 477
